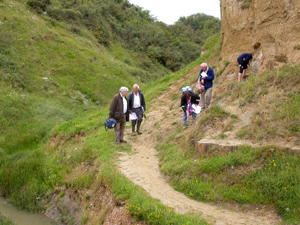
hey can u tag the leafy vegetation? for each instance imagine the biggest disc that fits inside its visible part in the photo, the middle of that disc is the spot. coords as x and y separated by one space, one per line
110 21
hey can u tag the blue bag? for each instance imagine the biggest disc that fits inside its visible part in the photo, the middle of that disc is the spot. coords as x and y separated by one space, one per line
110 123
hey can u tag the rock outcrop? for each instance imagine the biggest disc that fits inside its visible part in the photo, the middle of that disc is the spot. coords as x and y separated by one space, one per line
270 29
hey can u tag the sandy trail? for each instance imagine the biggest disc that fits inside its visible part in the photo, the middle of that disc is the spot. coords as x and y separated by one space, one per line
141 166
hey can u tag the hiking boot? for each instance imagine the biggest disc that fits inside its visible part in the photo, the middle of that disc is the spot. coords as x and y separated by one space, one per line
123 141
138 128
118 142
184 127
133 130
245 76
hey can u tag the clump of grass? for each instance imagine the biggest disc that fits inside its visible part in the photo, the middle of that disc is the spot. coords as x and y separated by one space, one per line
246 175
215 111
82 180
243 132
246 4
297 47
4 220
26 178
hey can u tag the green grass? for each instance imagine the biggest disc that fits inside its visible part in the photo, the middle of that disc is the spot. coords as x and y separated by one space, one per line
247 175
77 136
50 74
53 113
5 221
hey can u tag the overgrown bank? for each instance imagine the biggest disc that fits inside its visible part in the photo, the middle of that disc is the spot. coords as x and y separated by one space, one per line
248 178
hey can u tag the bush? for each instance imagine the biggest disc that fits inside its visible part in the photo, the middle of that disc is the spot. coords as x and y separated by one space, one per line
39 5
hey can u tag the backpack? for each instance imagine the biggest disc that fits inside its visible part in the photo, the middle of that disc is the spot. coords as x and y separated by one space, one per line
186 88
110 123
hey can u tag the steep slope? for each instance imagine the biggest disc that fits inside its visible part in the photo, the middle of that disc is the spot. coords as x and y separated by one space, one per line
51 72
269 29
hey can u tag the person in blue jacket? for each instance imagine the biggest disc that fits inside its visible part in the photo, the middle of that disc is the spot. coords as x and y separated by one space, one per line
206 77
244 60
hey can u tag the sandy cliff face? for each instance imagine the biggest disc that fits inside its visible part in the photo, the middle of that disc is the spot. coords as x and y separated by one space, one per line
268 28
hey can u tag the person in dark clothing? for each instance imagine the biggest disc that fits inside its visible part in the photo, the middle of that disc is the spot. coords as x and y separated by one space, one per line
187 101
206 77
138 106
119 110
244 60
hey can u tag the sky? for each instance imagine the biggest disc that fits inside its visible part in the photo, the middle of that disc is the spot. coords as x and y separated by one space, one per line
169 11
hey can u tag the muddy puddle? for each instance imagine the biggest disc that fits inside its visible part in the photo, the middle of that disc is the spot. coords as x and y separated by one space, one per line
21 217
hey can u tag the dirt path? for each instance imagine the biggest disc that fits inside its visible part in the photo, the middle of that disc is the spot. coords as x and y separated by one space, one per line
142 167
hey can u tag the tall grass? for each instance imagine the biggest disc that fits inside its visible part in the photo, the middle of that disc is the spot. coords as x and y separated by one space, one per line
26 178
50 74
5 221
247 175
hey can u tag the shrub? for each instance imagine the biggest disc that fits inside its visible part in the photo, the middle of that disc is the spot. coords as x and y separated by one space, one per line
39 5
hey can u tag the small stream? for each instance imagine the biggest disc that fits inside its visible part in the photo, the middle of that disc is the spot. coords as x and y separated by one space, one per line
21 217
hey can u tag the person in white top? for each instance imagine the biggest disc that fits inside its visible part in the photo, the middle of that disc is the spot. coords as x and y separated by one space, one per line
137 105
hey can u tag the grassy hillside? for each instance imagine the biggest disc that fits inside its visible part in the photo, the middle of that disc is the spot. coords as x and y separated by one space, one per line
59 59
248 177
50 74
56 81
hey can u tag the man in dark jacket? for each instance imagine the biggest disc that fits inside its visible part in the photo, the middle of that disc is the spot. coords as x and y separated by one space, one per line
189 99
138 106
119 110
206 77
244 60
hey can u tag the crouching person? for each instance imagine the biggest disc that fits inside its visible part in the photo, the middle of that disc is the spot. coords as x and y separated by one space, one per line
137 105
189 99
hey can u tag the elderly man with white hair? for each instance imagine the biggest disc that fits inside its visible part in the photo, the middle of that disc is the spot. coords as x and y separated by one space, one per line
206 77
119 110
138 106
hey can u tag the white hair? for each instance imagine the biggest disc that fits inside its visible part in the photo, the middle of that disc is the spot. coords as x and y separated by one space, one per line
136 85
123 89
204 64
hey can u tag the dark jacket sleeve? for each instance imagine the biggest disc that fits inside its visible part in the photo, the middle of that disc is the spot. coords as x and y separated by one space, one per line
200 77
143 103
128 111
183 103
112 107
196 99
210 74
130 101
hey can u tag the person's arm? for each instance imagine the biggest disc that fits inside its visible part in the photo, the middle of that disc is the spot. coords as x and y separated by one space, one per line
143 103
183 103
200 77
197 99
210 74
130 101
112 107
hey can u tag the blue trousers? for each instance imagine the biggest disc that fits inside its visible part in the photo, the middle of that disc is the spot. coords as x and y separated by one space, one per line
184 116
